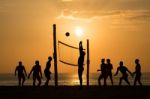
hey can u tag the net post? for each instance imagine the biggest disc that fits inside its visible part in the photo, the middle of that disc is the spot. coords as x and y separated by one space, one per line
88 62
55 55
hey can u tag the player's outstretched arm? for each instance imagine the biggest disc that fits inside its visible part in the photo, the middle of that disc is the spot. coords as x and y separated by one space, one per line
116 72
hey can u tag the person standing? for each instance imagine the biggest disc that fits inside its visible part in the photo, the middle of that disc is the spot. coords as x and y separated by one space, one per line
81 63
124 71
37 73
21 73
103 74
109 70
47 70
137 73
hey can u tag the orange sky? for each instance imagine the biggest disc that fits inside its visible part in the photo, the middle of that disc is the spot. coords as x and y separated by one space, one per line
118 30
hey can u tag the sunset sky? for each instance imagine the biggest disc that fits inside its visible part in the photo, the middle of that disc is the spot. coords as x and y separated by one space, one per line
117 29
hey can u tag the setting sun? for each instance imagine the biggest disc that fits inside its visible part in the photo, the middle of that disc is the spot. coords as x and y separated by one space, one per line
78 31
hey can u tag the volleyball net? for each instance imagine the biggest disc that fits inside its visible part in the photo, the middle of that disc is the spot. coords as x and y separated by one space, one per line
68 54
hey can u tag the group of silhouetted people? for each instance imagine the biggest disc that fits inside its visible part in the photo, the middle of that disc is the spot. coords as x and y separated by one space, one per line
105 68
106 71
36 72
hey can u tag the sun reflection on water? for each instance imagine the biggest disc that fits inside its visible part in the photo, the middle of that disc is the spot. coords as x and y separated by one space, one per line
75 81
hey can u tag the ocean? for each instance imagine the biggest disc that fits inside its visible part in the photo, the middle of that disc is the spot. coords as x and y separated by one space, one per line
69 79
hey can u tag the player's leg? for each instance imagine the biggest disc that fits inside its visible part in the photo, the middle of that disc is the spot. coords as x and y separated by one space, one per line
120 81
111 79
47 79
34 80
19 80
105 77
139 80
126 79
80 77
39 79
99 80
23 79
135 80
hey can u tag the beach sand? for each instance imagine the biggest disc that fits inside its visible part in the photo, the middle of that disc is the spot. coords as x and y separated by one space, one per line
73 92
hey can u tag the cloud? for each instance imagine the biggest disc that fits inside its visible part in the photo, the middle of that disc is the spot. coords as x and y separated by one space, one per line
139 15
76 18
99 10
84 15
88 16
106 4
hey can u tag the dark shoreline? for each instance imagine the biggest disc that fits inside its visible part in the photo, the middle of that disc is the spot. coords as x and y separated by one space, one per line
73 92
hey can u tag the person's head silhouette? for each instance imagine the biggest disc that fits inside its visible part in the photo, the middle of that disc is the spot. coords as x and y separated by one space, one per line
121 63
103 60
80 42
50 58
108 60
137 61
37 62
20 63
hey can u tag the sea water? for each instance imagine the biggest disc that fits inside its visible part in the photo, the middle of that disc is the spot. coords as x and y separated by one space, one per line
69 79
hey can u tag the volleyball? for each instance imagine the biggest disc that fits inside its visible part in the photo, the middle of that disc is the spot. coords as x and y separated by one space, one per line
67 34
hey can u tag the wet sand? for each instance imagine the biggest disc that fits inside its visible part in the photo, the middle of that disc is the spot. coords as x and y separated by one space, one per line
73 92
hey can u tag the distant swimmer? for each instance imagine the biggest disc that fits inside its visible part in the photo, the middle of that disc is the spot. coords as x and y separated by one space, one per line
21 73
47 70
103 72
37 73
124 71
137 73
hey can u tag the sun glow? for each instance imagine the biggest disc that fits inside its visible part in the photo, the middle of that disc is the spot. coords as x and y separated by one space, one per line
78 31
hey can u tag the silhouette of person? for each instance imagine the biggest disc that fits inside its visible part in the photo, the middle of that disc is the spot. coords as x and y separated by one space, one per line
109 70
137 73
81 63
47 70
103 70
80 47
37 73
124 71
21 71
